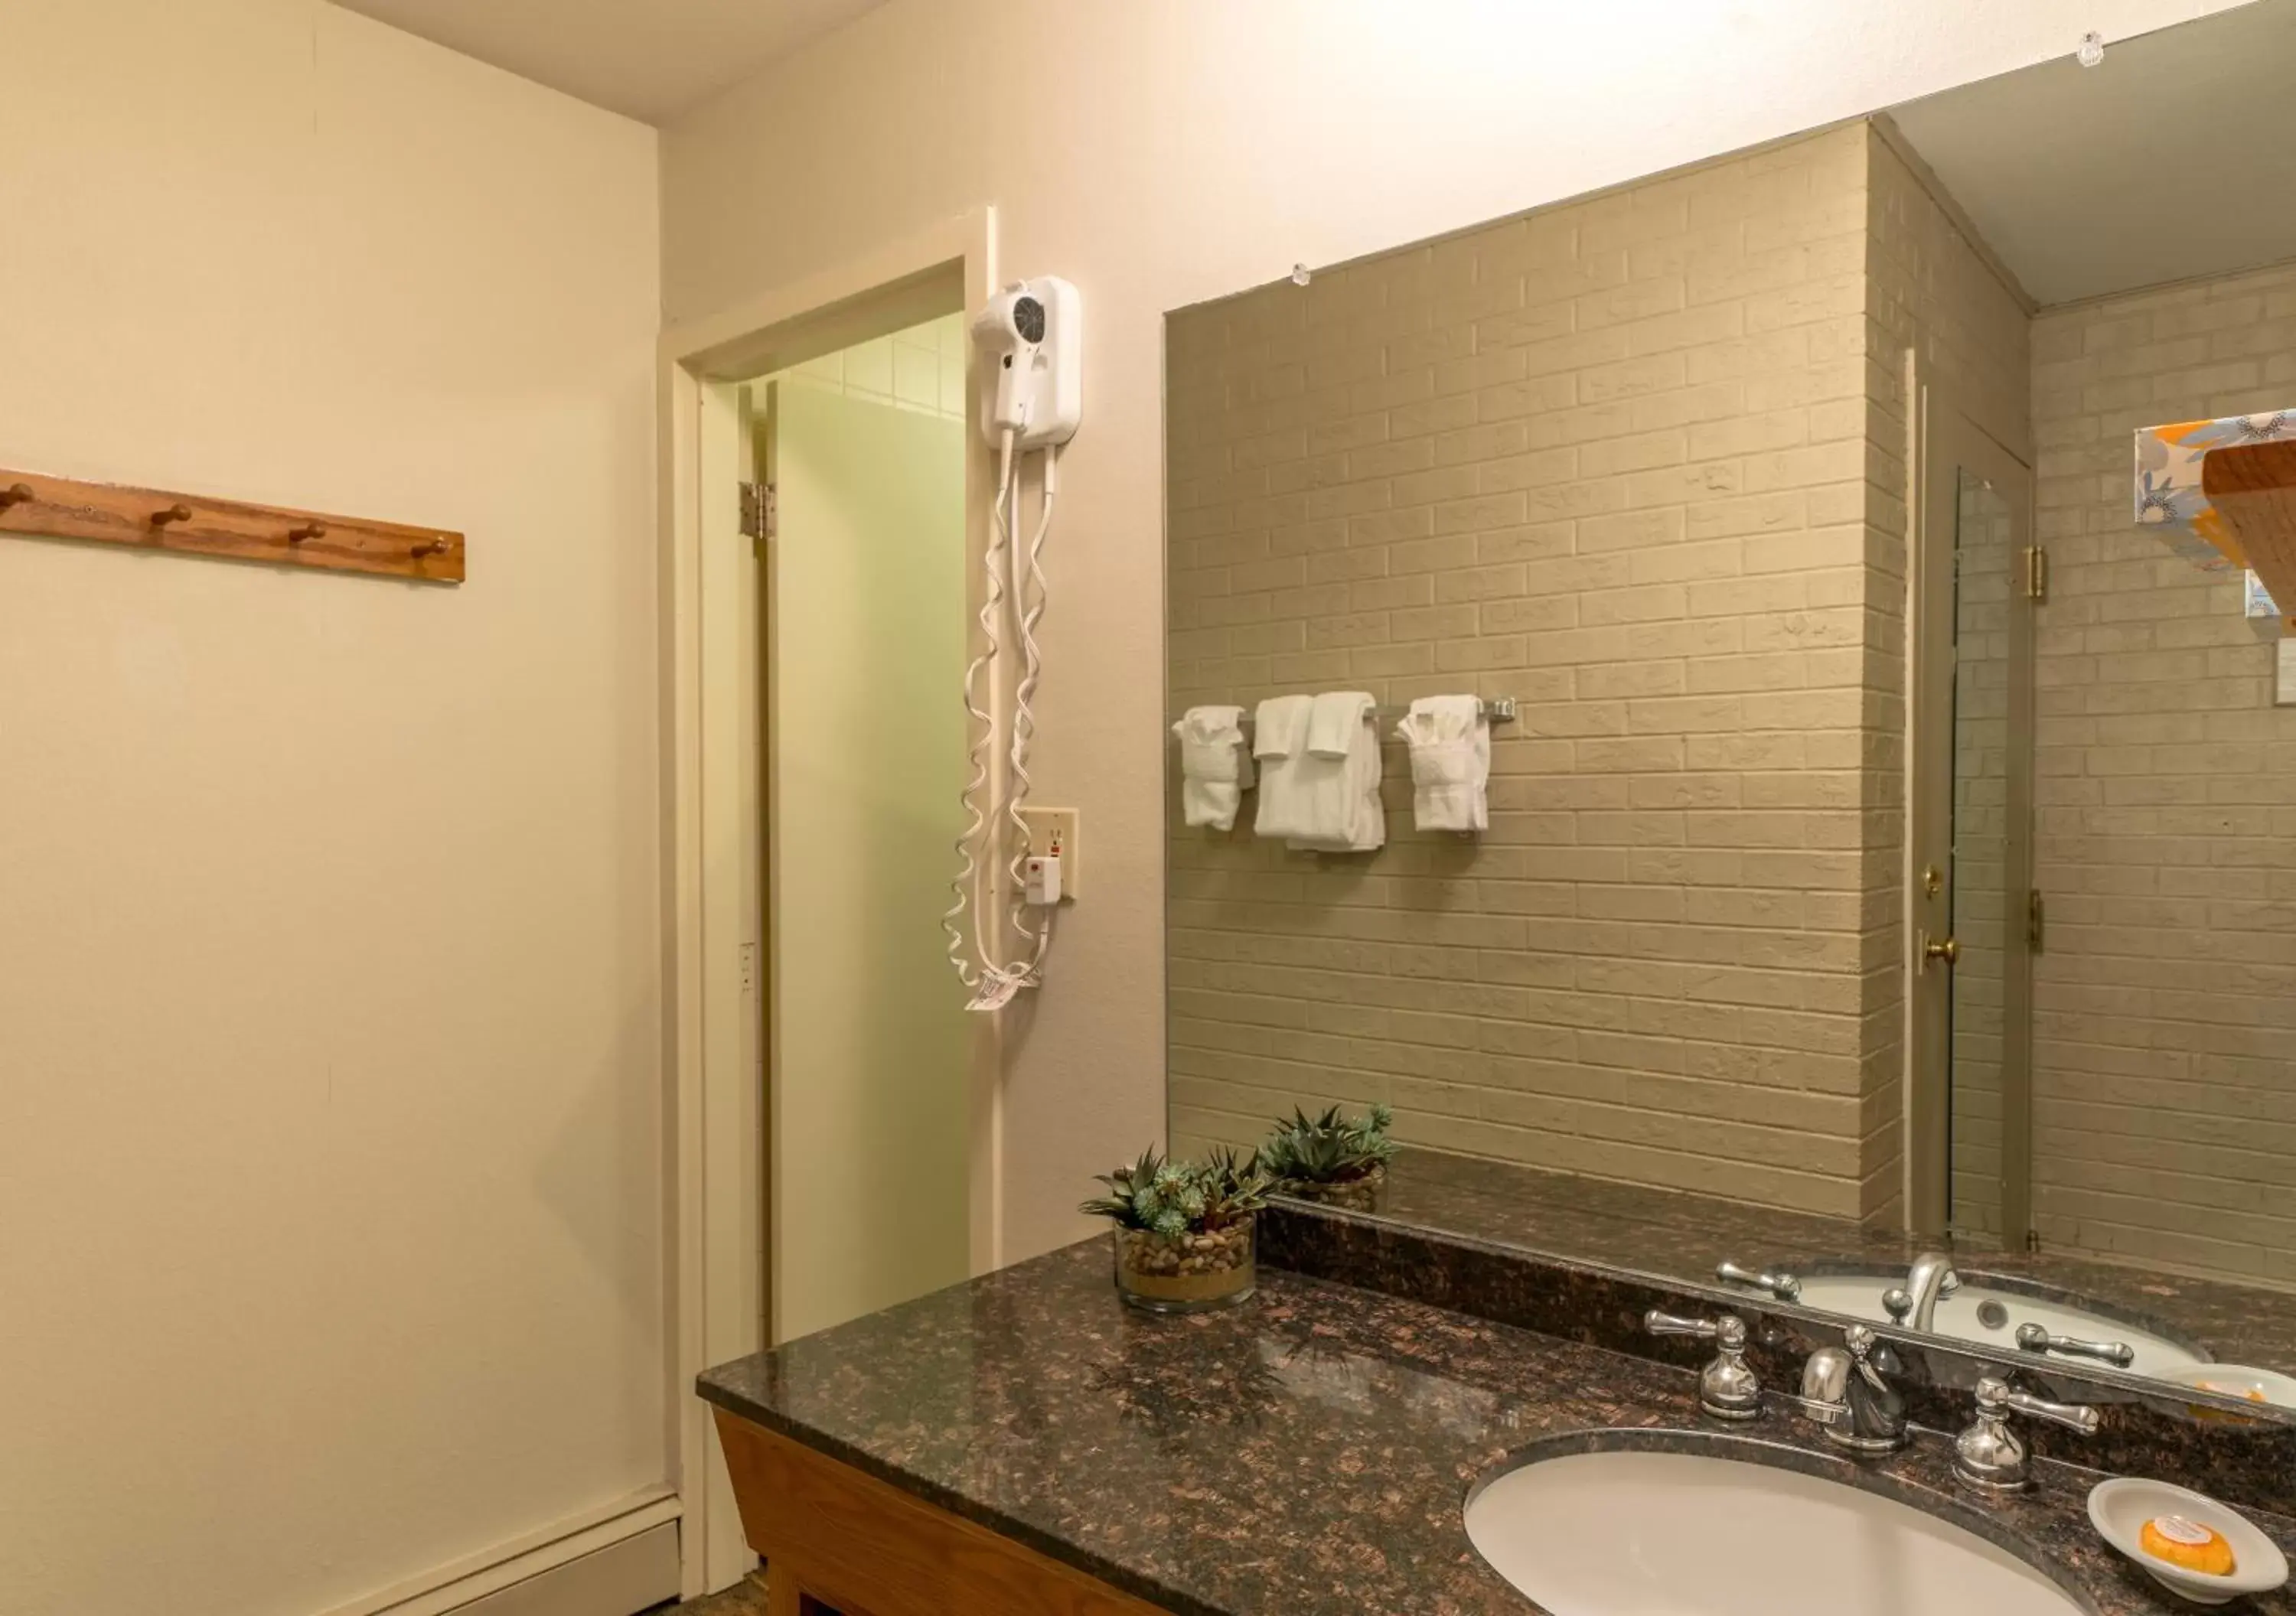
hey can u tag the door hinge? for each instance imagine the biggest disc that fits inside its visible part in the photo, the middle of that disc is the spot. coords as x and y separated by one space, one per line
761 516
2037 921
2037 573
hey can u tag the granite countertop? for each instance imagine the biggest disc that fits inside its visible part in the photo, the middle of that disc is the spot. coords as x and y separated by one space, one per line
1307 1452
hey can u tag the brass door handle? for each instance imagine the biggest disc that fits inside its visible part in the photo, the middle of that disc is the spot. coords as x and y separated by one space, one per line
1948 950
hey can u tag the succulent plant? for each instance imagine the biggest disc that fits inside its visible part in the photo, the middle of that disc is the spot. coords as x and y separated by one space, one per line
1330 1149
1170 1198
1234 1184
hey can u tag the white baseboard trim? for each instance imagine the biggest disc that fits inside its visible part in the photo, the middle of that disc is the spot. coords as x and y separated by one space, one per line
462 1583
621 1580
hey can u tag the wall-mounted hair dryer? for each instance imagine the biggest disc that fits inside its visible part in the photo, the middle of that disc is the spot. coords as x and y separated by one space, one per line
1031 340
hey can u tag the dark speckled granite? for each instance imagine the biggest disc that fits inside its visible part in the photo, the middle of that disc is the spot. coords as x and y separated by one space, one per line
1307 1453
2243 1459
1680 1236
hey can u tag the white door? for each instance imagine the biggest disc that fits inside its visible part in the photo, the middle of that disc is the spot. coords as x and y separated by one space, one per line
869 1052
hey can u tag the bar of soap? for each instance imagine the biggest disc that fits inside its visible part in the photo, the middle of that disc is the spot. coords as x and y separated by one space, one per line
2188 1543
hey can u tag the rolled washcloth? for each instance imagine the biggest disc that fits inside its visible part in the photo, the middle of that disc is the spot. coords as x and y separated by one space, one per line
1340 778
1450 743
1215 768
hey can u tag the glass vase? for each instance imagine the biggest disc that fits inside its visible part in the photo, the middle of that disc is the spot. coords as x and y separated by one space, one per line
1190 1273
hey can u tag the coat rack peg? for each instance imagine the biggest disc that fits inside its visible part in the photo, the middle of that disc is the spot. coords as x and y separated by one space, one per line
428 547
15 494
309 530
173 513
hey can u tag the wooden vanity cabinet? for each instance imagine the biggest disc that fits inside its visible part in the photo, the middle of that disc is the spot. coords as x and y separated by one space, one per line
836 1539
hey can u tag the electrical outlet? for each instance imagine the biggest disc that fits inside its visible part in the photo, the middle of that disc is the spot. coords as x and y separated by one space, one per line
1053 831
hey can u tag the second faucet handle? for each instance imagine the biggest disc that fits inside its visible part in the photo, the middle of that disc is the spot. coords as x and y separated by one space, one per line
1777 1282
2035 1338
1728 1388
1991 1457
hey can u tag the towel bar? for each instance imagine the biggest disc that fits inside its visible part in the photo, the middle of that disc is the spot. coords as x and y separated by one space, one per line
1494 709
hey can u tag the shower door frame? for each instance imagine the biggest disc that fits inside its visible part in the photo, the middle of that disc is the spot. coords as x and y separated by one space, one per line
1947 441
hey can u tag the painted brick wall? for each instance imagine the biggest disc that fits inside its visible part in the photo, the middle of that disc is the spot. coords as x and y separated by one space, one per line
1612 458
2165 1032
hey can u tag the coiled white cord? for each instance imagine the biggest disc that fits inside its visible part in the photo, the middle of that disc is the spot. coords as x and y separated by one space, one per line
1024 718
994 983
983 726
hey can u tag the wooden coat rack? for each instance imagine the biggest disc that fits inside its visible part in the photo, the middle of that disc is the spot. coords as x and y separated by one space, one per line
186 524
2254 487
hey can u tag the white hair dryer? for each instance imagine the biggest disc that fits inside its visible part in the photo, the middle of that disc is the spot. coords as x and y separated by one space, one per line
1030 339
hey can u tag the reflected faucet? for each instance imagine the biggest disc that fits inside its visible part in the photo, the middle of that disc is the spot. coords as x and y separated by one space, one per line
1916 1301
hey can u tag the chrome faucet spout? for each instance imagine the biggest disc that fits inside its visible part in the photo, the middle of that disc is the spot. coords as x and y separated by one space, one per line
1930 1278
1845 1390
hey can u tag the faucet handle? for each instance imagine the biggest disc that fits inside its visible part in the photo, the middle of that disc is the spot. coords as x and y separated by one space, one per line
2035 1338
1729 1329
1728 1388
1872 1353
1991 1455
1777 1282
2073 1416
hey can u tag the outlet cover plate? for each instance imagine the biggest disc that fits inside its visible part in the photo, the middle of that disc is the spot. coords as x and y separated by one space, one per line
1057 827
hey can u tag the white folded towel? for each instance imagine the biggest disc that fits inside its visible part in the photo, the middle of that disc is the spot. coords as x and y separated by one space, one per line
1279 727
1215 768
1279 736
1450 743
1333 719
1338 780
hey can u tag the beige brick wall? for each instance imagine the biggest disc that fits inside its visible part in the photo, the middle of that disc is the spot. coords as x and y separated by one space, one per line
1932 292
2165 1032
1612 458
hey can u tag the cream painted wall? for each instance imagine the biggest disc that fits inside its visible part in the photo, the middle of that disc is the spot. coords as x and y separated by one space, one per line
330 1158
1163 155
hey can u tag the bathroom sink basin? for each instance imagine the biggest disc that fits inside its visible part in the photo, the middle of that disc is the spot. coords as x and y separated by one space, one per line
1964 1316
1702 1534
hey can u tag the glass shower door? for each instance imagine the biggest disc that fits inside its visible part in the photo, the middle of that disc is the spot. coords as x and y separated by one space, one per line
1971 910
1978 883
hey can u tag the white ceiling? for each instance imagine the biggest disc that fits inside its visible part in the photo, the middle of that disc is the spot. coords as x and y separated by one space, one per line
2175 157
650 59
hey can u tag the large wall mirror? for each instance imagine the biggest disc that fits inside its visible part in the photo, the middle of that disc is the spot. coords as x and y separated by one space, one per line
1809 617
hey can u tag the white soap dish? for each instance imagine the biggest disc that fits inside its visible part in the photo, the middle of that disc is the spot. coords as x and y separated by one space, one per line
2120 1508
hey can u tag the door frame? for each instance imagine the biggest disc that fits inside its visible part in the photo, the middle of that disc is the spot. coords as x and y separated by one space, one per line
1945 441
714 1141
